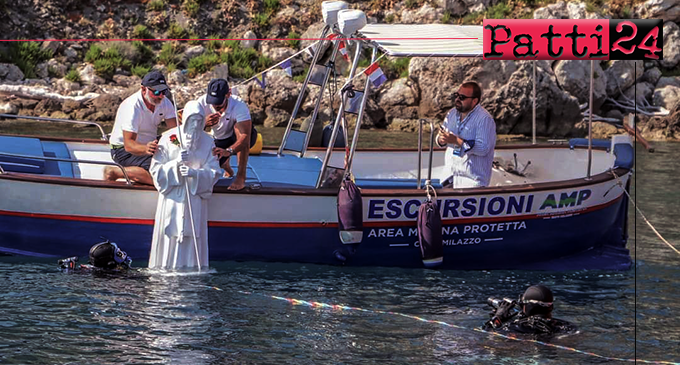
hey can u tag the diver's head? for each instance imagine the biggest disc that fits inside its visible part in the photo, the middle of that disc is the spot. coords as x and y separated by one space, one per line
537 300
107 255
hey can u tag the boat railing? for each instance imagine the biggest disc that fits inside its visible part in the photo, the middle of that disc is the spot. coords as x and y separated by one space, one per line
104 137
420 152
127 178
300 139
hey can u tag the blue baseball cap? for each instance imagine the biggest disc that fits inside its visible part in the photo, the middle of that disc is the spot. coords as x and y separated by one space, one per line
217 91
155 81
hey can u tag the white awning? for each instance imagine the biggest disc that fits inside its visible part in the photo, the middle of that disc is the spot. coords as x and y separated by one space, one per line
426 40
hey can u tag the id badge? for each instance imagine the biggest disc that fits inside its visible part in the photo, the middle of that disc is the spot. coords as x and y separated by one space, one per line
458 151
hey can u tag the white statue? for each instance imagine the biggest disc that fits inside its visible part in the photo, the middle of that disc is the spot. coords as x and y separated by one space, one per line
175 165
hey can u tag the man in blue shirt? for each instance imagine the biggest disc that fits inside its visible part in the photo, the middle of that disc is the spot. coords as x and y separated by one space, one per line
469 133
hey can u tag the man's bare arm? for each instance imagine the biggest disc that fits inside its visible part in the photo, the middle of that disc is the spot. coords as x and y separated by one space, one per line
136 148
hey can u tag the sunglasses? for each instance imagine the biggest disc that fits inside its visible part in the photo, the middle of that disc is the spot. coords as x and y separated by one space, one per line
462 97
157 92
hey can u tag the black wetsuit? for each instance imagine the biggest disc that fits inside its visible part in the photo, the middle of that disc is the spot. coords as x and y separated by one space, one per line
534 325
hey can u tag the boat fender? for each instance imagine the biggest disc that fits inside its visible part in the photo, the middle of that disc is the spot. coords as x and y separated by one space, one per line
430 234
350 213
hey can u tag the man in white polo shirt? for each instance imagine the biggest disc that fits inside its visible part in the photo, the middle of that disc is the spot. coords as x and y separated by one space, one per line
134 136
229 118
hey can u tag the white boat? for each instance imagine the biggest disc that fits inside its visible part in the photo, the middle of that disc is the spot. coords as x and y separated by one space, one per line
557 207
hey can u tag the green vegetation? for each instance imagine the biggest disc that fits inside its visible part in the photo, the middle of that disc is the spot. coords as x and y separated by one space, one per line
140 70
389 18
73 75
191 7
213 43
177 32
168 55
232 44
155 5
243 62
446 18
301 77
271 6
293 40
107 57
395 69
26 55
261 20
593 6
203 63
52 72
498 11
142 32
144 53
193 39
411 4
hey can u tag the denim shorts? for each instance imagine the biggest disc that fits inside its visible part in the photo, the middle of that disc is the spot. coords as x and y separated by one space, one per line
125 158
229 141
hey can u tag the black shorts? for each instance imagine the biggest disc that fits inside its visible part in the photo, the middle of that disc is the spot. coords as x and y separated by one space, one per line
229 141
125 158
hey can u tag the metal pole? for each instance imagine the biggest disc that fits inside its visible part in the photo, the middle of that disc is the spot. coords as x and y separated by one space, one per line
304 87
590 120
355 138
420 149
533 117
104 138
127 178
355 63
429 170
336 125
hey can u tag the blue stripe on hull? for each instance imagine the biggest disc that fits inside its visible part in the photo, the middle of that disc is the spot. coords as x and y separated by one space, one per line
589 241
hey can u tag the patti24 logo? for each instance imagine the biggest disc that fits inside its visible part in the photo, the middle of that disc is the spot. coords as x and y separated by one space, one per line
567 39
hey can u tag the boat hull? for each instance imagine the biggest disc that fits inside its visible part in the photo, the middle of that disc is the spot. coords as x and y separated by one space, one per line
568 228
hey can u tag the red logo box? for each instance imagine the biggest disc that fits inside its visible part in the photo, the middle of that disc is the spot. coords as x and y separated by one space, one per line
568 39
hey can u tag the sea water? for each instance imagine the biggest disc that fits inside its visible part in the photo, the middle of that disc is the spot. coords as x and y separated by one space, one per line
262 313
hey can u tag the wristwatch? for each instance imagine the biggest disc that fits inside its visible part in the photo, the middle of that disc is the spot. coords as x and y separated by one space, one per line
230 150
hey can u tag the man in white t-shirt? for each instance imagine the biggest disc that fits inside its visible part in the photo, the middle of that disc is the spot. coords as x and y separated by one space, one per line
229 118
134 137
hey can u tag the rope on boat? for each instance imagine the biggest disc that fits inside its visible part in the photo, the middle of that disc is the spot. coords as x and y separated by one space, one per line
428 188
340 307
620 183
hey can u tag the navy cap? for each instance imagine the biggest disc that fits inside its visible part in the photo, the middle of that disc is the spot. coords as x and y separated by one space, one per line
217 91
155 80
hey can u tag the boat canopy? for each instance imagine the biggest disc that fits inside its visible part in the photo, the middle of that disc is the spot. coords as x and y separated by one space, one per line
443 40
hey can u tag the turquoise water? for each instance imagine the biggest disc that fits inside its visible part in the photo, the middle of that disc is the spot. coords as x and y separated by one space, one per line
48 317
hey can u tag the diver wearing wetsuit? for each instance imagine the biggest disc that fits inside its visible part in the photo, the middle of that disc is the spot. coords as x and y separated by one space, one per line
532 314
104 256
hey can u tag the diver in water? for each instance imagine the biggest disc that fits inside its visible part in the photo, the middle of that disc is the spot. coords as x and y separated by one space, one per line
104 256
532 314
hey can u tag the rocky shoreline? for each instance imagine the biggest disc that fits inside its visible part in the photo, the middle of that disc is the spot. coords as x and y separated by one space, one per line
74 84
